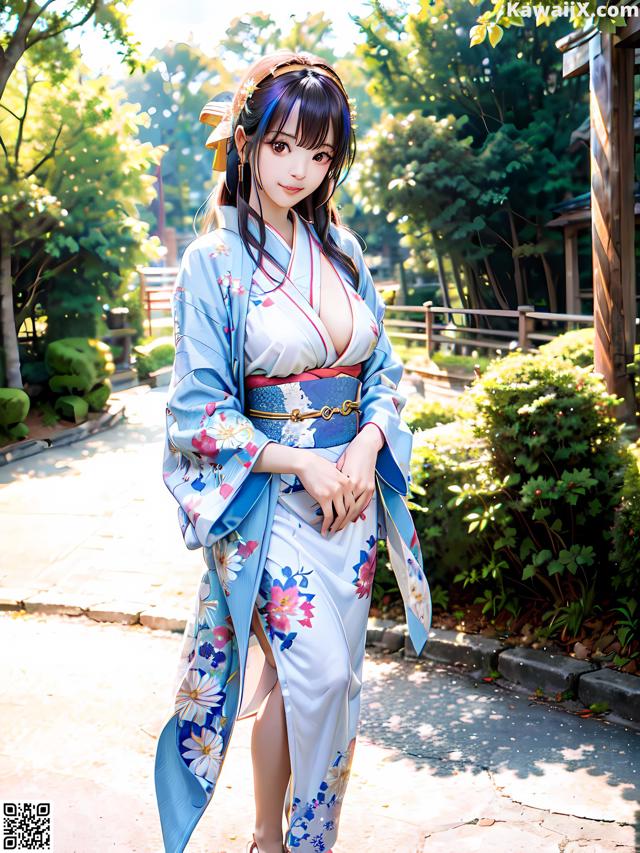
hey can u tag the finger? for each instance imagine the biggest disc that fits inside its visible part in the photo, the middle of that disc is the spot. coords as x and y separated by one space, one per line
341 511
327 512
359 505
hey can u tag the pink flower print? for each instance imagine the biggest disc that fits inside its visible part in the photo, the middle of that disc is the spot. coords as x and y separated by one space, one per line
205 751
221 636
366 569
199 694
204 444
283 604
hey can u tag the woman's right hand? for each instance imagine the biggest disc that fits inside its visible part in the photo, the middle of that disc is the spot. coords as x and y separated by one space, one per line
327 485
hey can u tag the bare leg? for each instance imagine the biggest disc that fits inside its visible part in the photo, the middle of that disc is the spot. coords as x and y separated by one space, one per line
271 762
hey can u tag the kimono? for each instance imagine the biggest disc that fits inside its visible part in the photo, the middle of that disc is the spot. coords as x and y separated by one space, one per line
241 330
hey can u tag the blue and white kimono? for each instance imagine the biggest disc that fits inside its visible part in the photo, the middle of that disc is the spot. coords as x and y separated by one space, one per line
260 531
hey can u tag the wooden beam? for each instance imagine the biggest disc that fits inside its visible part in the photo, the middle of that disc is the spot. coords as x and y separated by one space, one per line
629 35
612 216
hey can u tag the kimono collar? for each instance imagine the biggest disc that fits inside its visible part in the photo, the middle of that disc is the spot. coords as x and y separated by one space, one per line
298 265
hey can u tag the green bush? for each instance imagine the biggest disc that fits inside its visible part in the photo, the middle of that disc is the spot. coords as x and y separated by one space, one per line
424 414
444 456
627 524
14 408
555 456
576 346
153 356
80 370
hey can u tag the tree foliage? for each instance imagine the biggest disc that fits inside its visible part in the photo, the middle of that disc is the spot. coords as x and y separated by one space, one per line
472 153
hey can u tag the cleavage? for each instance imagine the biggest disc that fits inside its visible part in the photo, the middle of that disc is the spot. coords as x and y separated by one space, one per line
335 310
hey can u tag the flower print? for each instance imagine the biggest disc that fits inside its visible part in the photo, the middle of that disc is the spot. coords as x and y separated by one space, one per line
283 604
207 608
229 555
219 248
205 444
365 570
198 695
231 429
287 603
205 750
227 560
338 775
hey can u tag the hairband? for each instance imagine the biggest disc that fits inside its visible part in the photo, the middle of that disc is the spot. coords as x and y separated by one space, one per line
222 115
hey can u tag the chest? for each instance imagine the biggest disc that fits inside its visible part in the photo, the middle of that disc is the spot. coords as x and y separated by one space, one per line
335 308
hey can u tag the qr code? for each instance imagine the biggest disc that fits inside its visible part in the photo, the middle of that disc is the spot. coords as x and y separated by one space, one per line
26 826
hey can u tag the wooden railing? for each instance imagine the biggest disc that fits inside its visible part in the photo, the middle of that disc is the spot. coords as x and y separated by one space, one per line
156 288
523 335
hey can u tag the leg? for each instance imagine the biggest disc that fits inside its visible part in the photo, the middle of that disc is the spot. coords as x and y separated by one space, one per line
271 763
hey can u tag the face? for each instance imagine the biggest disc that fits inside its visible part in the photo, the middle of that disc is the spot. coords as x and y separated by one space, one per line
289 173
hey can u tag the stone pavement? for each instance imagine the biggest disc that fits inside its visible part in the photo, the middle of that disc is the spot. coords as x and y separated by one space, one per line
93 524
441 764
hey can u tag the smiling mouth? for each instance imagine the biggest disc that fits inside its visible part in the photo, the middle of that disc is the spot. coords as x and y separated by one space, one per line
291 189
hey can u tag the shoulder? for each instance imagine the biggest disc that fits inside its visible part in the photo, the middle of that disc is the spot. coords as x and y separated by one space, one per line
219 243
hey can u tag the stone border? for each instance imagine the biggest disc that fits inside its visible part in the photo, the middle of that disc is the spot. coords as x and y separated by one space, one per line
520 667
22 449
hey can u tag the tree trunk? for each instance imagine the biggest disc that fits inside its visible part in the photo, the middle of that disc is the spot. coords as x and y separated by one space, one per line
521 292
443 281
7 322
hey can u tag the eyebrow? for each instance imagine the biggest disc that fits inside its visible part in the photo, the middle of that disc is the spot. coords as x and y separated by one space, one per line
291 136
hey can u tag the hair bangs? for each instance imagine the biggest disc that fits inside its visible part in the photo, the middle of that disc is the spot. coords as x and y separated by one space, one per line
321 108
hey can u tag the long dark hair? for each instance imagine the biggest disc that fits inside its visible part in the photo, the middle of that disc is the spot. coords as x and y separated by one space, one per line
322 105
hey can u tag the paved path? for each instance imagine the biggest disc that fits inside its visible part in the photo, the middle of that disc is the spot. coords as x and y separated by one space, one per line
442 764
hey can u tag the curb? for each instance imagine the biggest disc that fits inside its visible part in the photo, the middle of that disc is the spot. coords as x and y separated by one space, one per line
519 668
23 449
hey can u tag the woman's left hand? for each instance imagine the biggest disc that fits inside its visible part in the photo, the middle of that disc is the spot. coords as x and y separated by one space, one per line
358 461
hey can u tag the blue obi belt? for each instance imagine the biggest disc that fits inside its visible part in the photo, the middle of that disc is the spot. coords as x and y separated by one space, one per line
306 412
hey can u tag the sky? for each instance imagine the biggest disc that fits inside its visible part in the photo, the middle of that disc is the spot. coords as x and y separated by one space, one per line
155 22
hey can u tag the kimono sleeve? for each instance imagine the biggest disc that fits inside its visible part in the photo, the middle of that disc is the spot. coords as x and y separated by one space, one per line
381 403
210 445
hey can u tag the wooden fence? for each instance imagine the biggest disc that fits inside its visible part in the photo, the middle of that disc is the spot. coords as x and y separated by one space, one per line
524 321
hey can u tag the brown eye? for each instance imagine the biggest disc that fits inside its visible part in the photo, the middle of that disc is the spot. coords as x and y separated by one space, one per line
279 142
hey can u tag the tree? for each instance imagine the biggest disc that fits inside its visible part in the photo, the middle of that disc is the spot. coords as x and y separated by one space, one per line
70 182
40 29
476 174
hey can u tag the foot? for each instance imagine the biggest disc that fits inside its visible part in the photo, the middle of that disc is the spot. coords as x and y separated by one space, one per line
266 847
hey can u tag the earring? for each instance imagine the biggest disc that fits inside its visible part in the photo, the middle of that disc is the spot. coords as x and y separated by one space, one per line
241 173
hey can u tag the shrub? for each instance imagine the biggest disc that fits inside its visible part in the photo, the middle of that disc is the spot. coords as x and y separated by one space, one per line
627 524
153 356
14 408
555 453
424 414
79 369
576 346
445 456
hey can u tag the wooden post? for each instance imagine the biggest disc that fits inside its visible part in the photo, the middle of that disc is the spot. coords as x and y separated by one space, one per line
525 326
428 326
612 215
572 273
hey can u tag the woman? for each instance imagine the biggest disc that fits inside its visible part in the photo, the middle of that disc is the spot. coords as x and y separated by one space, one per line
288 459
